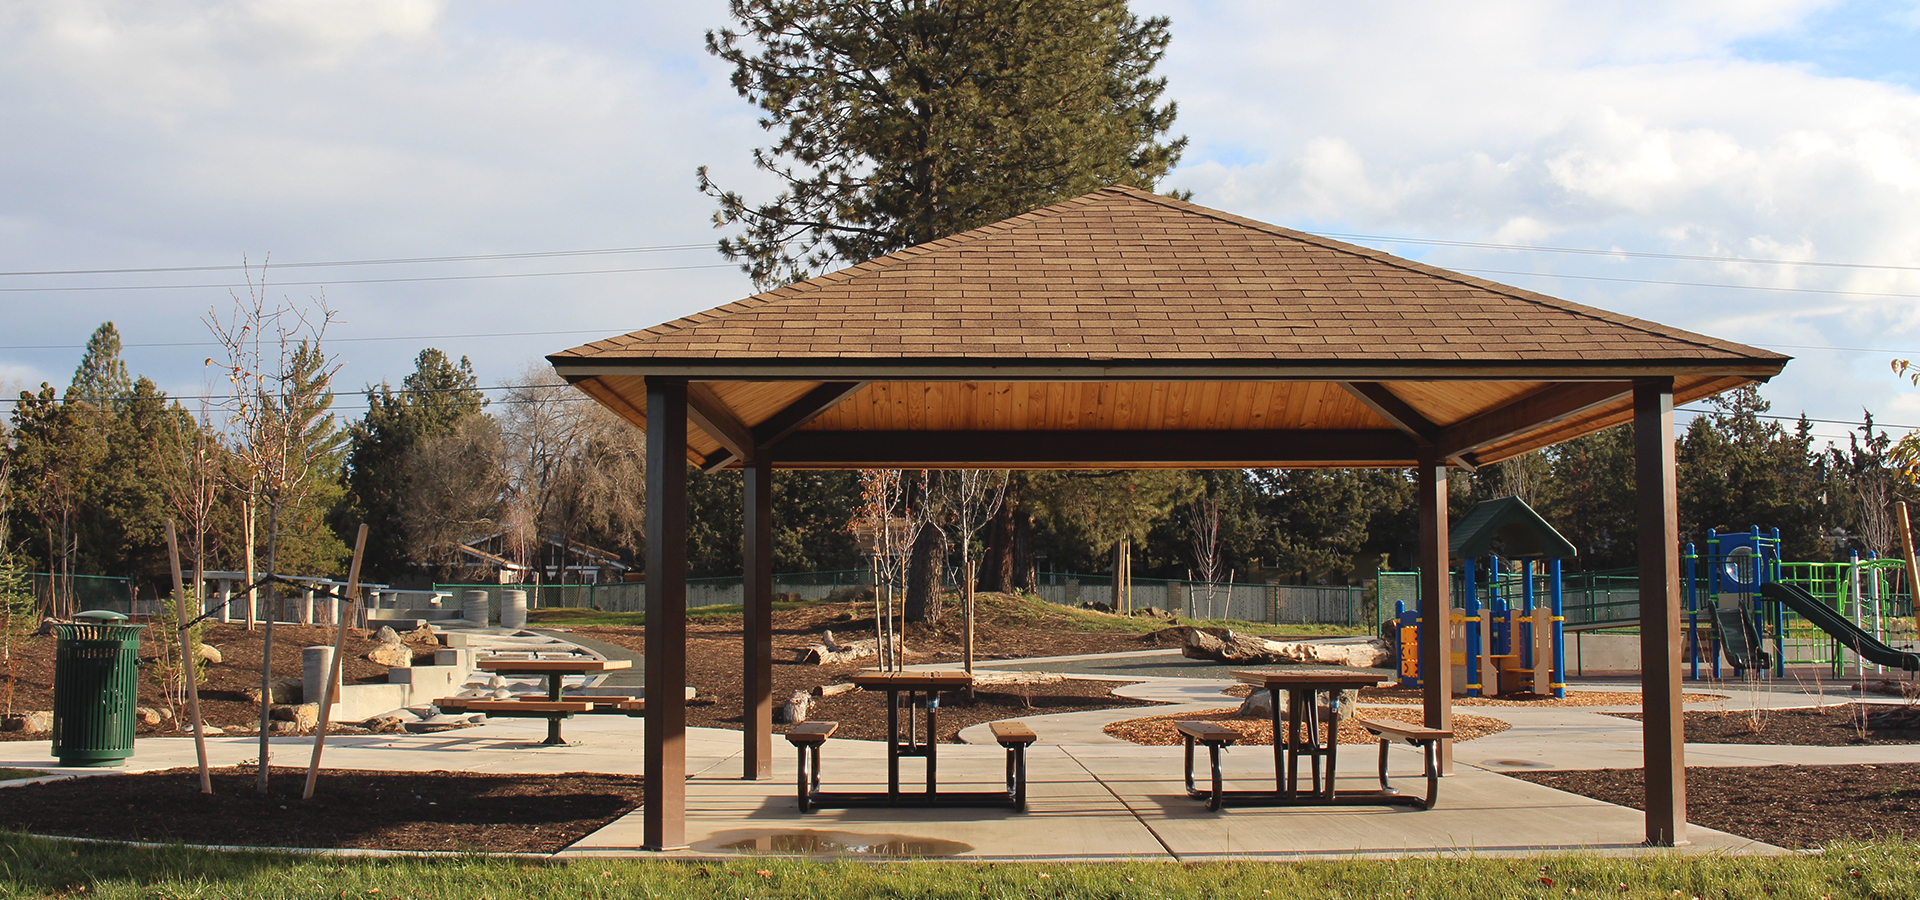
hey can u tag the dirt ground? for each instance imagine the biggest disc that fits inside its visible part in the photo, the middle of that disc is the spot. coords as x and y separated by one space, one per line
1258 730
1788 806
1839 725
1008 629
396 811
222 701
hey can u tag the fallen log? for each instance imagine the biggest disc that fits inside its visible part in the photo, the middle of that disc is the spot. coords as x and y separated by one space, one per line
1234 648
828 651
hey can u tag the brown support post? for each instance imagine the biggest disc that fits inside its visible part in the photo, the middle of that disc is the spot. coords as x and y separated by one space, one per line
1659 521
664 796
757 646
1436 601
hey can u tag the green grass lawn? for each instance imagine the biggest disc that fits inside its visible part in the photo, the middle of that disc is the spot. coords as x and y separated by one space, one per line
39 868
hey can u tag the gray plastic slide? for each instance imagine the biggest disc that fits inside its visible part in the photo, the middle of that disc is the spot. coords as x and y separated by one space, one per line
1826 619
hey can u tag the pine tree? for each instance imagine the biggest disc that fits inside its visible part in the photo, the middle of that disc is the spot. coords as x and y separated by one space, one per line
904 121
433 401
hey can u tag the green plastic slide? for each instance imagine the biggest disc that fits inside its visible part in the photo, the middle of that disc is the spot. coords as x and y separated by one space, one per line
1826 619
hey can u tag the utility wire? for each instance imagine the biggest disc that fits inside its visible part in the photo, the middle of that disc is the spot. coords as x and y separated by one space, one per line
1701 284
178 287
1634 254
406 260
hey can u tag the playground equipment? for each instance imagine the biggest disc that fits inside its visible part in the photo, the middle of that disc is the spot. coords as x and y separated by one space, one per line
1760 614
1510 642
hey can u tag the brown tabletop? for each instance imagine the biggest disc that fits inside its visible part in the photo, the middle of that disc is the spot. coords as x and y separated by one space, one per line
581 666
1322 679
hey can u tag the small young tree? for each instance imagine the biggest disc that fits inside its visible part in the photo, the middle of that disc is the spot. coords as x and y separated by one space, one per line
17 616
974 496
1203 518
882 525
278 413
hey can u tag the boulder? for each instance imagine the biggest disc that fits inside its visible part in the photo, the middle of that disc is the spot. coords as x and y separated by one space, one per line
209 654
385 725
284 690
211 730
38 722
280 727
147 716
302 715
386 635
393 655
46 627
850 593
424 635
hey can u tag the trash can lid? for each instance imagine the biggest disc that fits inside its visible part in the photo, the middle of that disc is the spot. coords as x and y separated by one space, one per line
101 617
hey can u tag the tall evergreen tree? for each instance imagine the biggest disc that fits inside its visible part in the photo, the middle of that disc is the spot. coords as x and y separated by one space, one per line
904 121
432 402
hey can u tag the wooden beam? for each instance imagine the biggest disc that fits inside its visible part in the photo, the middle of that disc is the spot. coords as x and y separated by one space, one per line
788 420
663 806
718 420
1539 409
1436 603
1659 550
1388 405
757 617
1092 449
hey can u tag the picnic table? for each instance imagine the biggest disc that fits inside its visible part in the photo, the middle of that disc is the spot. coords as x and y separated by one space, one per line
550 706
1298 737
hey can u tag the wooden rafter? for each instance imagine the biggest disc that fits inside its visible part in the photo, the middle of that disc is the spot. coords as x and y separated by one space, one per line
793 417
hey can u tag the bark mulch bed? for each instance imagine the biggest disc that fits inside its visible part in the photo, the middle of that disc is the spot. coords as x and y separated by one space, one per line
450 811
222 701
1007 629
1412 696
1158 731
1839 725
1787 806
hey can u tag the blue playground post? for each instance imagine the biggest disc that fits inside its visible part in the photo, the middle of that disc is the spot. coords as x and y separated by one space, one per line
1470 603
1526 606
1559 629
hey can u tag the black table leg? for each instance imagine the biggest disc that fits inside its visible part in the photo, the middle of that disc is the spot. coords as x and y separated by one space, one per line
893 746
553 722
933 741
1314 747
1333 740
1279 746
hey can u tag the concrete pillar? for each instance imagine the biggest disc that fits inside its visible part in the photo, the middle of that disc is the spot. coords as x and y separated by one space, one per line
473 608
513 609
306 607
314 663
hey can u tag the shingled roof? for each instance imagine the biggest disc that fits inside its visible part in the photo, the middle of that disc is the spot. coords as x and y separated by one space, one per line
1163 324
1121 275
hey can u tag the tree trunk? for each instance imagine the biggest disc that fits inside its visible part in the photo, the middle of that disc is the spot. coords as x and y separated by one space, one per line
923 577
997 570
1024 576
266 649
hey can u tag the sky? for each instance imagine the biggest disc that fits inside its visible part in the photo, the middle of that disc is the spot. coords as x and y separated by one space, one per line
1778 139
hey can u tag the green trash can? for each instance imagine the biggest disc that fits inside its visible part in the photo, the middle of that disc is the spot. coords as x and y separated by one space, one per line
95 683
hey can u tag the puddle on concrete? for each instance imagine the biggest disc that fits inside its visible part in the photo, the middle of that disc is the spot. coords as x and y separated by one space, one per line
1520 763
830 843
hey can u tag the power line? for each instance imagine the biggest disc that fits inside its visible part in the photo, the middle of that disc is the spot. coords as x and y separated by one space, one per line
176 287
343 340
1635 254
1701 284
546 254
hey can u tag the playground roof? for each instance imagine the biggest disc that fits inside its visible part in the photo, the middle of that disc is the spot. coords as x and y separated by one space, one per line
1126 329
1513 525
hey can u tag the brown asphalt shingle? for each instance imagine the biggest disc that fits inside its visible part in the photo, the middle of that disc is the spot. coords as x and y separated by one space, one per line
1122 274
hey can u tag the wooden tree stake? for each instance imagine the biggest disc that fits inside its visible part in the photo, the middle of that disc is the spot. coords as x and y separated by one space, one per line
350 613
189 660
1906 544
